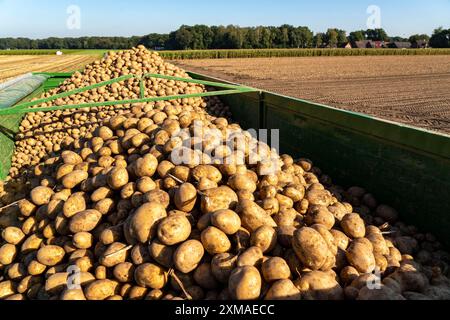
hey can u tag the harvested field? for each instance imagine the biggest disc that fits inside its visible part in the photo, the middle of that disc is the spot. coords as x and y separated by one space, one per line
414 90
13 66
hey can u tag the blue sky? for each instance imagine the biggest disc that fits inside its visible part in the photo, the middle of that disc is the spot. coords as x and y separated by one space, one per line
44 18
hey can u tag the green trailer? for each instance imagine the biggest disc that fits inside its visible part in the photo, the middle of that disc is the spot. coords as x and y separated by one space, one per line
405 167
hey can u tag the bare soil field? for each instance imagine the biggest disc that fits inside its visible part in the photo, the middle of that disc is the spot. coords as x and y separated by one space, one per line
13 66
413 90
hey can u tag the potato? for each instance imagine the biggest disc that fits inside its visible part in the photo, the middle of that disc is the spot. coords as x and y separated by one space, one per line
105 206
204 277
16 297
253 216
142 225
227 221
387 213
310 247
208 172
274 269
162 253
85 221
124 272
101 193
36 268
338 210
283 290
341 240
154 294
145 184
174 229
26 283
74 204
164 168
115 253
245 283
188 255
329 239
32 243
215 241
253 256
111 235
71 180
84 263
117 178
100 289
16 271
222 265
140 254
83 240
264 237
378 243
319 285
284 202
146 166
137 293
242 182
318 197
320 215
348 274
50 255
13 235
8 253
295 192
73 295
27 208
158 196
384 293
41 195
57 282
217 199
149 275
353 225
7 289
360 256
185 197
206 184
70 157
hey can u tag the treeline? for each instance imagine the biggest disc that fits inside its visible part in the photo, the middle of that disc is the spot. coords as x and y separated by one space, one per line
200 37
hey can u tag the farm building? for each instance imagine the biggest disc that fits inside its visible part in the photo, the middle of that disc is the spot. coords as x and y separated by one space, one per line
400 45
369 44
361 44
420 44
348 45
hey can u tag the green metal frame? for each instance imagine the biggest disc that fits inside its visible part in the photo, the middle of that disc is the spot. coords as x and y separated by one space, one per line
26 107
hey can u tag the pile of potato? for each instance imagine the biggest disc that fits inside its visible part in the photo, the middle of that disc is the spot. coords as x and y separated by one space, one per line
112 215
43 133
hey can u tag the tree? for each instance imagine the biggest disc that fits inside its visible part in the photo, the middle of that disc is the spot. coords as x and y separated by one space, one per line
440 38
357 36
318 40
342 37
377 35
284 33
331 38
183 38
303 37
266 38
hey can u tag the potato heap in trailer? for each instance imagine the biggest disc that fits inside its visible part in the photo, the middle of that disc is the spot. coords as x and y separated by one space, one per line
102 197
